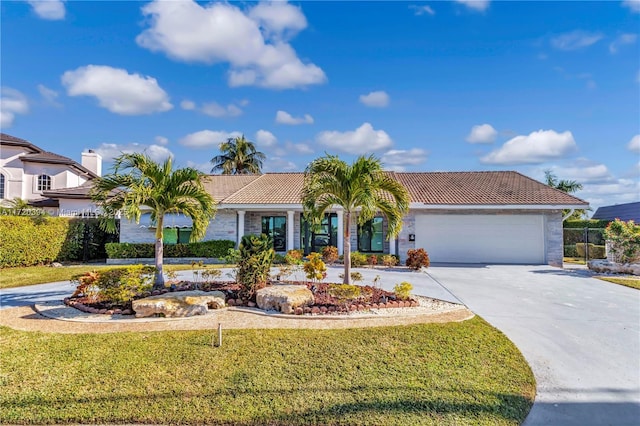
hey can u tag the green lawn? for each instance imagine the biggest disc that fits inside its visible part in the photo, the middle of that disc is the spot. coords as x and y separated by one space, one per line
575 260
626 281
430 374
17 277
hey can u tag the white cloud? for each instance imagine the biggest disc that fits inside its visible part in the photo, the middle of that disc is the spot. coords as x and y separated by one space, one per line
478 5
278 18
634 144
117 90
397 159
161 140
575 40
421 10
279 164
12 102
622 40
188 105
109 151
283 117
634 5
214 109
535 148
482 133
265 138
584 171
221 32
363 139
203 167
52 10
298 148
378 99
49 95
207 138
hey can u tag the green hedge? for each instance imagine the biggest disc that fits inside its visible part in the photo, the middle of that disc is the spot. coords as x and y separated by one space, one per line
595 252
576 235
210 249
36 240
586 223
570 250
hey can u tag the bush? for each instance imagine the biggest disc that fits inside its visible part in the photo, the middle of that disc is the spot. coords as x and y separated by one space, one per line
585 223
417 258
570 250
624 240
595 252
256 256
330 254
345 293
358 259
118 286
372 260
294 257
403 290
212 249
390 260
315 268
355 276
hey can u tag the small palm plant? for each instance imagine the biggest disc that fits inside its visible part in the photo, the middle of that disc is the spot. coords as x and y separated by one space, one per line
256 256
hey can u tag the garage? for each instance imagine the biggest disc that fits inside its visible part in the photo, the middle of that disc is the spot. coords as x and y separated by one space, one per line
477 238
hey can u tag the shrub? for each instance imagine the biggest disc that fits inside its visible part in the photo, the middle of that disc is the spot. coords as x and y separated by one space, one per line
118 286
27 241
570 250
624 241
390 260
315 268
585 223
403 290
595 252
210 249
330 254
372 260
358 259
345 293
232 256
256 256
355 276
417 258
279 259
294 257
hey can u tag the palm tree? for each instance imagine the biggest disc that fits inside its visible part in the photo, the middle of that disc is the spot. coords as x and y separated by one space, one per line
138 181
239 157
361 187
568 186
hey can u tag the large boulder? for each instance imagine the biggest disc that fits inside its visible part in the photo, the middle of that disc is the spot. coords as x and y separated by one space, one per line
179 304
284 298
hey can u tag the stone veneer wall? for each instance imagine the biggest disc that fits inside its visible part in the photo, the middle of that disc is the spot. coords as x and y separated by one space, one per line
553 239
253 223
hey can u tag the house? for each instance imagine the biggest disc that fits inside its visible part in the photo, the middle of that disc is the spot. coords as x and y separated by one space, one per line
29 172
458 217
625 212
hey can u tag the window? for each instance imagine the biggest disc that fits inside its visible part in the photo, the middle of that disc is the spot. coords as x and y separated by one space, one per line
1 186
370 236
276 228
176 235
44 183
316 238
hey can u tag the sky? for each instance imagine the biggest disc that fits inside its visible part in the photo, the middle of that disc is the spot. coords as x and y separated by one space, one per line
425 86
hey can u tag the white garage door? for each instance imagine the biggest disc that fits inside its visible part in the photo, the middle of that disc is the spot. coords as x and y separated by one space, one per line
481 238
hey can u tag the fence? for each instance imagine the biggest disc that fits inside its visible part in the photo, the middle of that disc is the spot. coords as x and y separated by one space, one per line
586 243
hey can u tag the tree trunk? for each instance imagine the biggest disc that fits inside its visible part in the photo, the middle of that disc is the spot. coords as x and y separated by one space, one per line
159 253
347 248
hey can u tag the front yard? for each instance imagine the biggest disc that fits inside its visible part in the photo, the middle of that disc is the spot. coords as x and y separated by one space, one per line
434 374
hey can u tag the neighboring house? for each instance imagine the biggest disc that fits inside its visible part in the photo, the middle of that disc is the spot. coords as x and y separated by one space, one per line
457 217
29 172
628 211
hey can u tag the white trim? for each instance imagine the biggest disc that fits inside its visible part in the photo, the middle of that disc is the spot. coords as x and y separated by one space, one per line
423 206
290 230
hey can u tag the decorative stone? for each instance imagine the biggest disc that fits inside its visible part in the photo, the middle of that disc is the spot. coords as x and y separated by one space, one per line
306 310
315 310
180 304
284 298
56 265
374 306
323 309
604 266
231 302
127 312
251 304
117 311
299 311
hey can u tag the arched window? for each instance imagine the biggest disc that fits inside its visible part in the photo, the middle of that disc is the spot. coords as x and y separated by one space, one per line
1 186
44 183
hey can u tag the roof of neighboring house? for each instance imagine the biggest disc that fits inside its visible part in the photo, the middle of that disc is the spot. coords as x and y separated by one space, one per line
482 188
81 191
628 211
222 186
38 155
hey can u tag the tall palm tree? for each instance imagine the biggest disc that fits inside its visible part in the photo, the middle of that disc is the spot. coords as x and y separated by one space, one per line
239 157
138 181
568 186
361 187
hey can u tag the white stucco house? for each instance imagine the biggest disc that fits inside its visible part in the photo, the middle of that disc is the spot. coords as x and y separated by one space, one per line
29 172
457 217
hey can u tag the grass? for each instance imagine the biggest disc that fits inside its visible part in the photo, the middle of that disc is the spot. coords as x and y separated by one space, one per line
575 260
428 374
633 282
18 277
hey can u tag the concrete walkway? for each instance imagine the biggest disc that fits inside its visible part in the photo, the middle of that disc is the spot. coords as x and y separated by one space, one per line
580 335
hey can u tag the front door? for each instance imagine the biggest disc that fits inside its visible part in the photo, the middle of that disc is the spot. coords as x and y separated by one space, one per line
325 234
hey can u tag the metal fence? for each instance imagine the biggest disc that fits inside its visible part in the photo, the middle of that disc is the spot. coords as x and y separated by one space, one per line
586 243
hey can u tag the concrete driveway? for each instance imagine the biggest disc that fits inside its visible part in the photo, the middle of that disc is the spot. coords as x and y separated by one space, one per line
580 335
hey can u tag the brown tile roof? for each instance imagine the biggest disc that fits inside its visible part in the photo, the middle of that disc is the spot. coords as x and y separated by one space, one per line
9 140
81 191
482 188
52 158
270 188
222 186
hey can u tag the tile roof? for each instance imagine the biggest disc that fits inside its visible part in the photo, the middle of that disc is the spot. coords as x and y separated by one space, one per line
482 188
81 191
222 186
9 140
270 188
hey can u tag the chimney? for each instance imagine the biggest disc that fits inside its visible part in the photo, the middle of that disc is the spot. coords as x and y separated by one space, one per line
92 161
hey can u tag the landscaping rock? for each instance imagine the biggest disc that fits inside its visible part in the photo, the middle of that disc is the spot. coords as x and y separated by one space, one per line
284 298
180 304
604 266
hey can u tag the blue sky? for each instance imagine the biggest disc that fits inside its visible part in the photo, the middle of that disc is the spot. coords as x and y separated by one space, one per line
425 86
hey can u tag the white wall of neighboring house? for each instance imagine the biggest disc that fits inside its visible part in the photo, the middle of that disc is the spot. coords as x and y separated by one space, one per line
76 207
11 168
